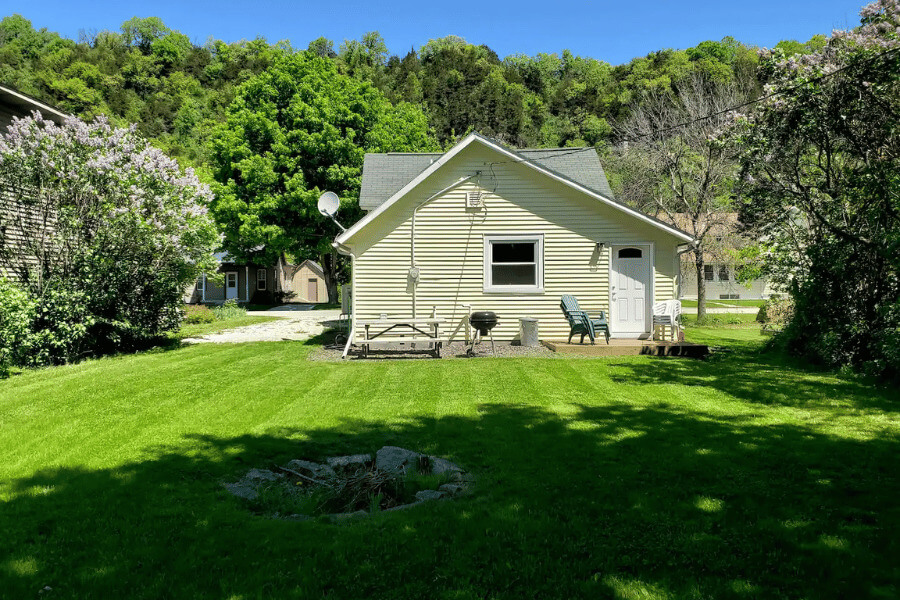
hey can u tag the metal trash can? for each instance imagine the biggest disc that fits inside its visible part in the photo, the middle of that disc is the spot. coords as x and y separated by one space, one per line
528 331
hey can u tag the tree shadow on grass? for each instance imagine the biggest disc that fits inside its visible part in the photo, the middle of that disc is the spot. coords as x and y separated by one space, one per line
764 377
601 502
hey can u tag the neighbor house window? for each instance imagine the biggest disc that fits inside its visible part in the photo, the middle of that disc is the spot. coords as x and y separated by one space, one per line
708 272
261 279
514 263
723 272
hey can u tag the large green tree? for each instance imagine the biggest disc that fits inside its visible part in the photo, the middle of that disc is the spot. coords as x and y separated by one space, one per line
296 130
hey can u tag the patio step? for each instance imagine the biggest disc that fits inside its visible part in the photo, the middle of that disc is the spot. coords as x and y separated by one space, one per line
620 347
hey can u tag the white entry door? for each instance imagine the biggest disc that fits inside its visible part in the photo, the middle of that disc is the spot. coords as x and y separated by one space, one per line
629 281
231 285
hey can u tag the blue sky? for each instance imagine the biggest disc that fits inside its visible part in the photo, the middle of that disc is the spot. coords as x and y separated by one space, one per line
610 31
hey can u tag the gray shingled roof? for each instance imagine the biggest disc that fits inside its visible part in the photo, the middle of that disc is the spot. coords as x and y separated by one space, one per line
385 174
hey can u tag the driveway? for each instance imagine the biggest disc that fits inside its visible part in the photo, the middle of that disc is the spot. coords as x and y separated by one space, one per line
295 322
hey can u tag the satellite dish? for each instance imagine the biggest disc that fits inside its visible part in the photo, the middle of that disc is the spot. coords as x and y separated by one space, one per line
329 203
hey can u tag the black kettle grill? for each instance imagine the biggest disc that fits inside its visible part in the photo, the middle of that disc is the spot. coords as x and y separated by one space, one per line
483 321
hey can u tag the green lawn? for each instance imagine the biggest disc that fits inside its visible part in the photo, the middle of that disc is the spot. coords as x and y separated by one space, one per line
199 329
741 476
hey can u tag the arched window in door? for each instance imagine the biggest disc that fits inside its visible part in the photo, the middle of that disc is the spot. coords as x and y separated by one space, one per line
631 253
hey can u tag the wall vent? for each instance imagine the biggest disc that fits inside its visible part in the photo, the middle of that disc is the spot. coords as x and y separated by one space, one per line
474 199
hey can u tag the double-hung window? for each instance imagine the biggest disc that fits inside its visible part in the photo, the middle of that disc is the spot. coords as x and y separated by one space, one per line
261 279
723 272
514 263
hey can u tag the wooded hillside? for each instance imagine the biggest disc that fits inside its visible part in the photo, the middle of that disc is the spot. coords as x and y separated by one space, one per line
175 91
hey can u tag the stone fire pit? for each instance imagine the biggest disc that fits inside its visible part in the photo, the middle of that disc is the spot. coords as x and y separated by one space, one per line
345 487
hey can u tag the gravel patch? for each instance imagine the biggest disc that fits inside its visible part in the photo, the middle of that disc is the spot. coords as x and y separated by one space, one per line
291 325
453 351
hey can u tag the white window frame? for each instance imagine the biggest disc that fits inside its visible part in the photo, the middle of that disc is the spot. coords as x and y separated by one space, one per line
523 238
264 280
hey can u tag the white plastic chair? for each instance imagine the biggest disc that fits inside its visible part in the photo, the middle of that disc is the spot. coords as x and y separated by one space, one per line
667 314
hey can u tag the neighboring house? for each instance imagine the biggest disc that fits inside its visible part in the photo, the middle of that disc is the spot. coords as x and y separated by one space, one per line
720 264
485 227
21 229
260 284
14 103
306 283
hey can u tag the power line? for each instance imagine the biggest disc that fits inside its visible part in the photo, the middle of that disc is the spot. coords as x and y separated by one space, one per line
768 96
711 115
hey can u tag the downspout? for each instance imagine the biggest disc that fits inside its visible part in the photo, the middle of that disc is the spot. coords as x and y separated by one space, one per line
413 269
346 251
247 284
203 291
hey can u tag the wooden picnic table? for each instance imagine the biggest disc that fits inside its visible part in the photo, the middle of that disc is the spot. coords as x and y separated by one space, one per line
384 332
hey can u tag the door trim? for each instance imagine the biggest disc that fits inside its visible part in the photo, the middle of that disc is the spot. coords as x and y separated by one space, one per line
650 287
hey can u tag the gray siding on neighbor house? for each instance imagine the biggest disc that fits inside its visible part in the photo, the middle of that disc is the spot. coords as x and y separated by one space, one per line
22 227
25 232
247 286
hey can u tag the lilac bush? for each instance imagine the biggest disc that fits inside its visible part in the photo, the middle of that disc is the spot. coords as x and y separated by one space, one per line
102 230
821 169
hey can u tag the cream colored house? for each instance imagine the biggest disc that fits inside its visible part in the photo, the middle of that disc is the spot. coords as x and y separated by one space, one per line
485 227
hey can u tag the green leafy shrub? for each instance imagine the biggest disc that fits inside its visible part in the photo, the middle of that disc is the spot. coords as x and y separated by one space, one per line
16 314
230 309
195 314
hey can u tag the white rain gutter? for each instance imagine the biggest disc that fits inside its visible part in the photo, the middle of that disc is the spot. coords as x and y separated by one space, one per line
346 251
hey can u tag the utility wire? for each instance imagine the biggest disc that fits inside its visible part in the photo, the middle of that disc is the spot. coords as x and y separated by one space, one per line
768 96
725 110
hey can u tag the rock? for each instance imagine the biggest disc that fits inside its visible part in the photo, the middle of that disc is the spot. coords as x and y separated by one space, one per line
298 517
242 490
262 475
352 463
453 489
403 506
439 466
348 515
311 469
426 495
392 459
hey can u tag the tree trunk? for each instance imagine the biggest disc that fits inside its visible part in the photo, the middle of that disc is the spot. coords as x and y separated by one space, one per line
701 283
329 268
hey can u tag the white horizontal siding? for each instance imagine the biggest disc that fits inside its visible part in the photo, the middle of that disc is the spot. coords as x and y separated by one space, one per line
449 248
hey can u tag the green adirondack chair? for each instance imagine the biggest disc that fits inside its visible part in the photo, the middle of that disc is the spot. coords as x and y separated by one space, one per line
580 322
